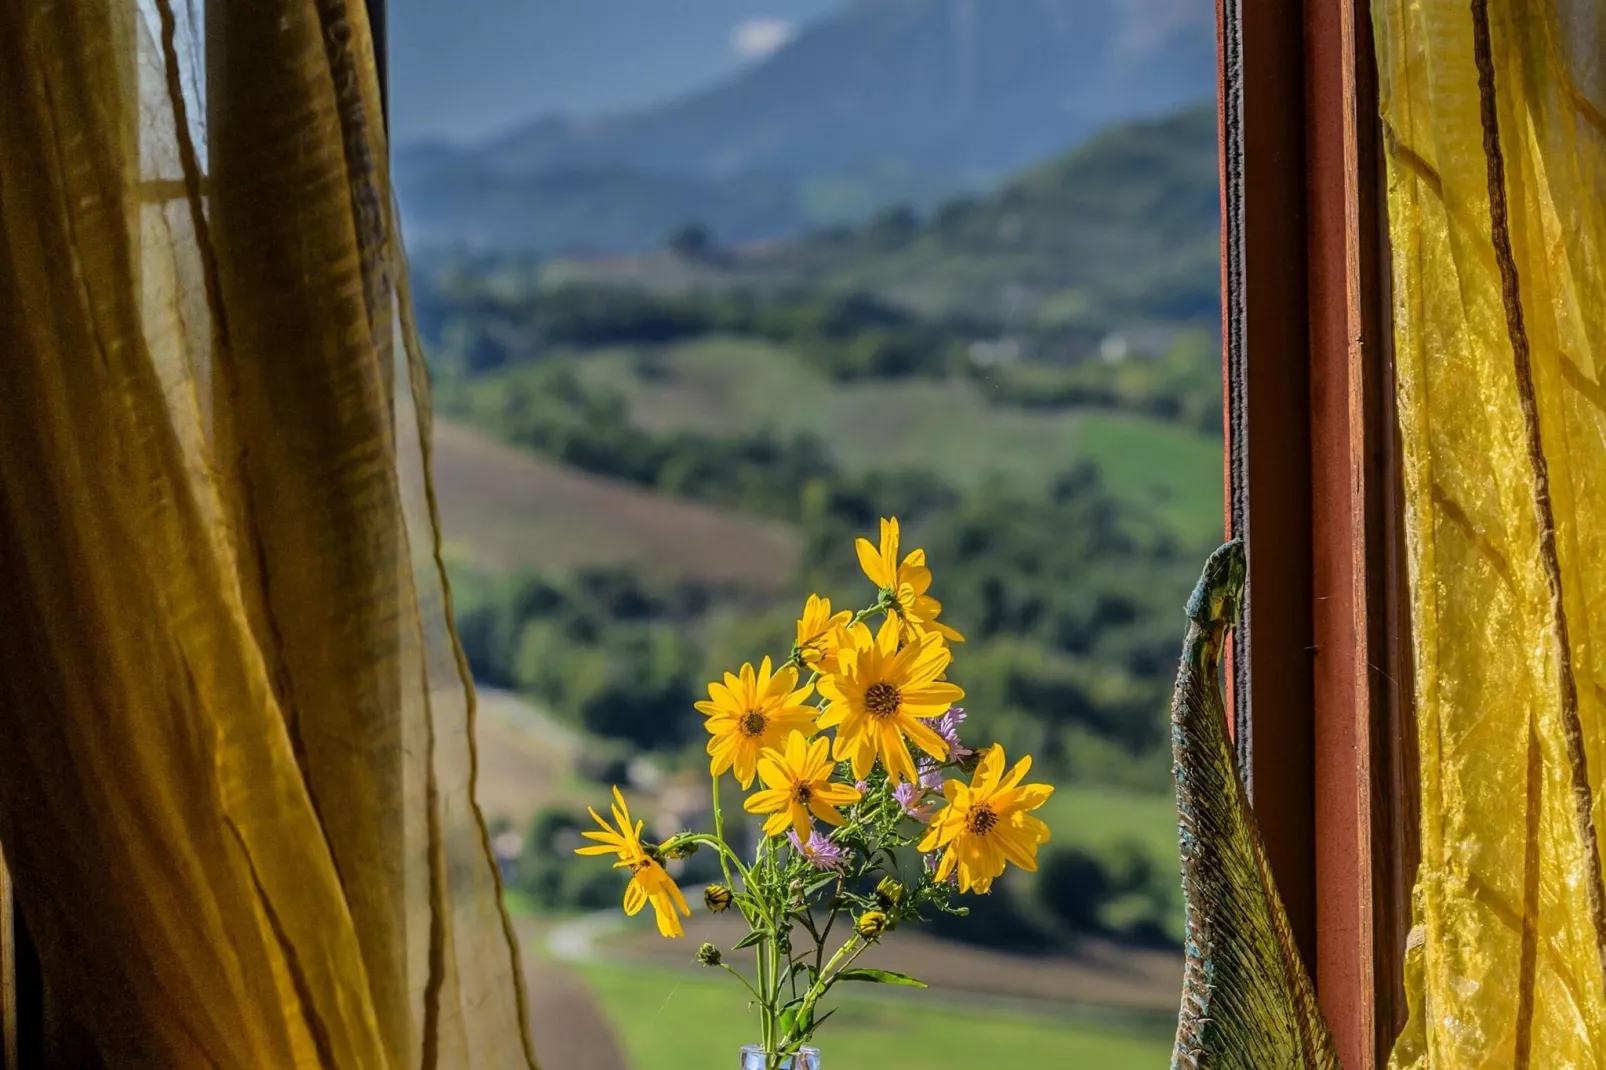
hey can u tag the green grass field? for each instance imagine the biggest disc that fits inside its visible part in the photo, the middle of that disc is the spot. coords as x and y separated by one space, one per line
1097 817
1095 820
1172 470
949 427
669 1021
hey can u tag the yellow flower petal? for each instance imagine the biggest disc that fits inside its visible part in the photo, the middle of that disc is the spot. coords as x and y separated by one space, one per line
825 812
763 802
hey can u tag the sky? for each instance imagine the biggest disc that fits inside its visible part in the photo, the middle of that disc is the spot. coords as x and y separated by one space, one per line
463 70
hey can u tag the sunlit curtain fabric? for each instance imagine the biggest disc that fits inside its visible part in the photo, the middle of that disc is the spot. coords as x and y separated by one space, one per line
1494 118
236 752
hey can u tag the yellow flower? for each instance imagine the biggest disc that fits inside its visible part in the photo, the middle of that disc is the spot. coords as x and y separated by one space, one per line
648 881
877 694
986 823
871 924
906 582
799 783
819 634
751 712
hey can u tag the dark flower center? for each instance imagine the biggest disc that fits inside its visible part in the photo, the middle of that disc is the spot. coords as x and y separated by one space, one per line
980 820
801 794
638 866
882 699
753 723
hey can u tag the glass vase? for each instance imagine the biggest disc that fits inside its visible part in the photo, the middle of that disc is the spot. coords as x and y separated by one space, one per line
806 1059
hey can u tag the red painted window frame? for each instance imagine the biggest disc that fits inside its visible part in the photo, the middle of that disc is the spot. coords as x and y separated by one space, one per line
1321 670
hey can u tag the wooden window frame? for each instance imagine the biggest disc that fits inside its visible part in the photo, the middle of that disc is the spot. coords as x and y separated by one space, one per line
1321 670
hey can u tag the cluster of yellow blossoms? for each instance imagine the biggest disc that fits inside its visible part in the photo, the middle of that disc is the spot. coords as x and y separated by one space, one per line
878 690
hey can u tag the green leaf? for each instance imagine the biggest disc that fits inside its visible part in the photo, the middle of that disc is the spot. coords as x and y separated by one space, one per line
750 939
795 1022
819 885
880 977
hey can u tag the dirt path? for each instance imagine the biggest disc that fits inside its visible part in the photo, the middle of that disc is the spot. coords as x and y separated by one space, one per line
571 1032
1129 981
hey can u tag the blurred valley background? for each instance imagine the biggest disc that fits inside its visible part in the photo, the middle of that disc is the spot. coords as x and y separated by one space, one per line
707 287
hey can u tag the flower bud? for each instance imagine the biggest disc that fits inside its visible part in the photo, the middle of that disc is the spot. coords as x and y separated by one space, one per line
889 893
680 848
709 955
717 898
870 924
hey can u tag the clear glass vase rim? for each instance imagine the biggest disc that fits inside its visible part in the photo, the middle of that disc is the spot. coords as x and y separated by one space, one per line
810 1060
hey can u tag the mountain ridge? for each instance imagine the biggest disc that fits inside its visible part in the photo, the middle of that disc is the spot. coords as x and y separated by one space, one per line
886 101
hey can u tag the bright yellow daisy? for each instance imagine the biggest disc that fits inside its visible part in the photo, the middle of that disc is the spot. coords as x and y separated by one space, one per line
820 634
751 712
986 823
648 881
799 784
908 582
880 693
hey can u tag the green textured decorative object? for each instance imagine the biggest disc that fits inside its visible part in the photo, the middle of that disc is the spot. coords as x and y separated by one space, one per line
1247 1002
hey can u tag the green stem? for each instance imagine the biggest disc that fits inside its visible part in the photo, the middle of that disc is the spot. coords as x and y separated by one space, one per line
819 952
728 968
769 1038
715 841
852 950
719 836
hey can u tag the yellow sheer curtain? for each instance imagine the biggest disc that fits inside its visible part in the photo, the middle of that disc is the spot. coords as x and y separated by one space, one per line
1495 127
236 757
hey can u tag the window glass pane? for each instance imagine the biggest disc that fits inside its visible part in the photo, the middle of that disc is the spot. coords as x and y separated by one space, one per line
710 288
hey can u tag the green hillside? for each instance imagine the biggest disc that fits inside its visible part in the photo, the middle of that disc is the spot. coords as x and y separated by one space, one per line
951 425
1121 232
1122 229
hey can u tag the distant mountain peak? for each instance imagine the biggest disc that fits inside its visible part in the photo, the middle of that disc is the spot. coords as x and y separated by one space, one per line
884 101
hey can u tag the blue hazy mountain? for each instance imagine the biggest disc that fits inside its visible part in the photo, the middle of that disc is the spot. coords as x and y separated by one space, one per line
463 71
878 102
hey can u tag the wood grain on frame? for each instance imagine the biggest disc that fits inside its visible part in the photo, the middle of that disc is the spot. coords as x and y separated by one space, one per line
1321 674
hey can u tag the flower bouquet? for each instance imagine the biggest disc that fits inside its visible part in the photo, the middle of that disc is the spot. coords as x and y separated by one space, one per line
860 834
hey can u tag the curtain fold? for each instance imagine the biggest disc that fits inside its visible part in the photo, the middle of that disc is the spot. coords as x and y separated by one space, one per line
236 752
1496 151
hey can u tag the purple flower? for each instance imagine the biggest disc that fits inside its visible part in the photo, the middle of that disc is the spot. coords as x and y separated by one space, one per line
913 797
861 786
948 729
820 851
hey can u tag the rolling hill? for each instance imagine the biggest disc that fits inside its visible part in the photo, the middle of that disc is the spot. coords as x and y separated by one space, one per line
1124 227
1121 231
508 511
